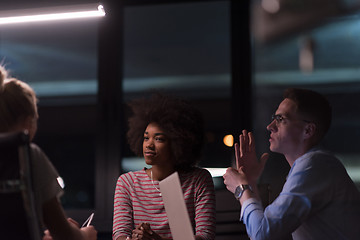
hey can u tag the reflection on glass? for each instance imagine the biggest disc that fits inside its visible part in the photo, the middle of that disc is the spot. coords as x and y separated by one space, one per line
335 73
183 49
56 59
59 60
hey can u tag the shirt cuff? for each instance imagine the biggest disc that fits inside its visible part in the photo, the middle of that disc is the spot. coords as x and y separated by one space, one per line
246 204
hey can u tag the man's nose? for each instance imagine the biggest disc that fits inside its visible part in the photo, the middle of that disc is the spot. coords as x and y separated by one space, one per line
272 126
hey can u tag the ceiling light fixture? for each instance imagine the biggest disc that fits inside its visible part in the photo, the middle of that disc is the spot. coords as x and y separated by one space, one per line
52 14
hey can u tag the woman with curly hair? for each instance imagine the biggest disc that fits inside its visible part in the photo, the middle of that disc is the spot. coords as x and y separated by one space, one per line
168 133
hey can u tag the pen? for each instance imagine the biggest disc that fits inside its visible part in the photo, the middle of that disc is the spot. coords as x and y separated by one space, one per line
88 220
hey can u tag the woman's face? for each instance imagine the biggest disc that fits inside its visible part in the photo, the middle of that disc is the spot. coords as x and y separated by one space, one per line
156 146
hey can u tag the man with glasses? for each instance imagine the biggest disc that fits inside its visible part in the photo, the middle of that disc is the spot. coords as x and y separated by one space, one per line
318 200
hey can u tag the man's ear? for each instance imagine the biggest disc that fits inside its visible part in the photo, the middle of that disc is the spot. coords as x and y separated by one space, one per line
309 130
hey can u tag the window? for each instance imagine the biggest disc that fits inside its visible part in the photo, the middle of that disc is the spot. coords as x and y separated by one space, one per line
182 49
59 60
335 74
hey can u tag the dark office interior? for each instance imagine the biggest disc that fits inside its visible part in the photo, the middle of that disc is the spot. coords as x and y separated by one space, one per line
212 53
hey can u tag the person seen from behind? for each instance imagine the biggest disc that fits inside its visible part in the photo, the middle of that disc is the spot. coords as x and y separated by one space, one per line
18 112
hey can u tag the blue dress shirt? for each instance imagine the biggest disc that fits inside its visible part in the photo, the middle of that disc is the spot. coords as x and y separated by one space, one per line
318 201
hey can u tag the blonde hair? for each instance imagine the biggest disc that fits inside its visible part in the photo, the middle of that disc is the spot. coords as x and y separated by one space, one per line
17 101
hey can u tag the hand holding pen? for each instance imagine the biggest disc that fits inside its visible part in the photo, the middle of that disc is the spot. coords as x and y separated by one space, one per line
91 233
88 221
86 229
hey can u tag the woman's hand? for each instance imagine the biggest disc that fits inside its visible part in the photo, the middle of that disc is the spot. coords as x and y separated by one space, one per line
143 231
88 233
47 235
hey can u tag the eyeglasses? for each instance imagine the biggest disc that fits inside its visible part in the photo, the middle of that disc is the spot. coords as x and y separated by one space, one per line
279 119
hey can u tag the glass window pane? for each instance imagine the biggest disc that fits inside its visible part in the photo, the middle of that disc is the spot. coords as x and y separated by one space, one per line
59 60
183 49
335 74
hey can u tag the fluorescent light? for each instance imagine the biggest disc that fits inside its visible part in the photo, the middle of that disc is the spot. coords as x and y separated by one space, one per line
56 15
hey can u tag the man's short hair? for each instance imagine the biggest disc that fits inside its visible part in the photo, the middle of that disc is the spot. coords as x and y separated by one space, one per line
314 107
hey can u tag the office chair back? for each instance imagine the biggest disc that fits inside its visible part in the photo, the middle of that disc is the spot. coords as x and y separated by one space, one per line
18 217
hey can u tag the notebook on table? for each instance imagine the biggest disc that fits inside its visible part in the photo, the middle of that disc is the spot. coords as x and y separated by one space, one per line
175 208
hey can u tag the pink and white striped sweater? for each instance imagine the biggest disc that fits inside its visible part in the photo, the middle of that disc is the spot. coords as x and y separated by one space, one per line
137 200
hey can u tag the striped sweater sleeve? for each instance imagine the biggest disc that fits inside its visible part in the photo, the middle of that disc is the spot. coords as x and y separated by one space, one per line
205 211
137 199
122 219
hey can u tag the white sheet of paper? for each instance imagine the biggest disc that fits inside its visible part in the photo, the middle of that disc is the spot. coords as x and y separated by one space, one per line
175 207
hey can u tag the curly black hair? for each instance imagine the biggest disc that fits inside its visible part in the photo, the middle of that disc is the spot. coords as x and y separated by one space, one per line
182 123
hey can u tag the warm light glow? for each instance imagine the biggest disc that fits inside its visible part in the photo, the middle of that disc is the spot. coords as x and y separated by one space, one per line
270 6
228 140
99 12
